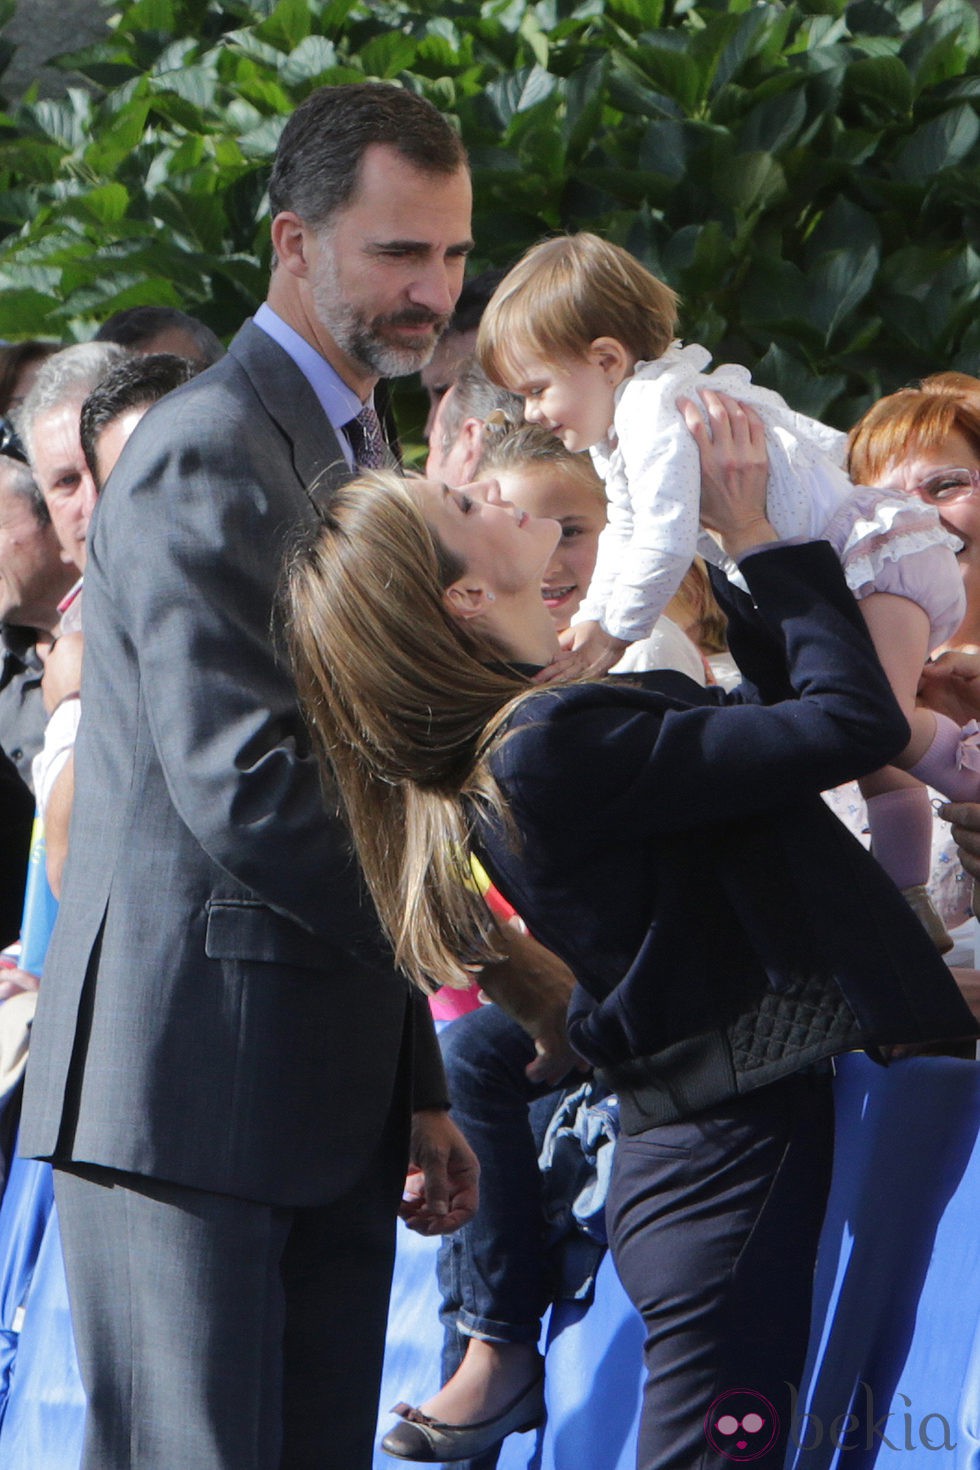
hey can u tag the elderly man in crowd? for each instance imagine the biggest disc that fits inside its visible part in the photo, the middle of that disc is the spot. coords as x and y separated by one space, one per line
49 425
107 417
457 434
33 580
226 1070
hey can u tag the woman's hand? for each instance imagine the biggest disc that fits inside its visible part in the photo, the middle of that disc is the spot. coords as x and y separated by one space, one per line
950 685
734 470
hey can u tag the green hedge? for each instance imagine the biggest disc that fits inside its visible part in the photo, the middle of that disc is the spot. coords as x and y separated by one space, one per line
806 175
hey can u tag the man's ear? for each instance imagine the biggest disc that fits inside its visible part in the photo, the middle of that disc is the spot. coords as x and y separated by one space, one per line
471 435
613 358
467 602
289 241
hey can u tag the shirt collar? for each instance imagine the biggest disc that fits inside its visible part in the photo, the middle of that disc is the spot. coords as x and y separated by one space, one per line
339 402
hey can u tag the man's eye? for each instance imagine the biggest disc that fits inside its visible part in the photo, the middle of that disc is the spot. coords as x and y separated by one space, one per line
568 533
465 504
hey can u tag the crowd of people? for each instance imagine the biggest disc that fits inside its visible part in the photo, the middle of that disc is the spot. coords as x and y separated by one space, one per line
328 754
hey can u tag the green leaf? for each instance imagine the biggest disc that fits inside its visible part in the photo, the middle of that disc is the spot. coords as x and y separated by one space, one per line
794 378
774 124
938 144
116 142
882 83
288 25
310 60
751 182
106 204
837 282
151 15
25 312
844 225
535 38
387 55
673 73
513 94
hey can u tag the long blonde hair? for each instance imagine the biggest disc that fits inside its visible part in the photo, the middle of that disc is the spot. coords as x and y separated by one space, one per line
403 703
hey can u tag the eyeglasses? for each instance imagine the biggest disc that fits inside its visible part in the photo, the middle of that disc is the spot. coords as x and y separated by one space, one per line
945 487
10 441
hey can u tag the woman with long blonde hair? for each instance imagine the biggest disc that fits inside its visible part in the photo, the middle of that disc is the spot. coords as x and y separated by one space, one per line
607 813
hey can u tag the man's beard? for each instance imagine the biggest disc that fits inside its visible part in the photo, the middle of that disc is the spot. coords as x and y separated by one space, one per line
363 341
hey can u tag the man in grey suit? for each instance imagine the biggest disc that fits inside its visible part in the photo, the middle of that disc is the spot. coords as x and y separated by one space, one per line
226 1071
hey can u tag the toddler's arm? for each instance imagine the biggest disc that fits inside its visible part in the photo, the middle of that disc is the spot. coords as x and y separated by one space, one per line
588 651
636 576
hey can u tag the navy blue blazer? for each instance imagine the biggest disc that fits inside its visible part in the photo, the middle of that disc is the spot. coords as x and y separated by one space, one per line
674 850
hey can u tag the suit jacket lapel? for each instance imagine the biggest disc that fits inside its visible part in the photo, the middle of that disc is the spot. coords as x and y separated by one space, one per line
290 401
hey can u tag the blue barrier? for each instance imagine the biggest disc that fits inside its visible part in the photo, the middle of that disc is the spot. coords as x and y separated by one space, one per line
895 1344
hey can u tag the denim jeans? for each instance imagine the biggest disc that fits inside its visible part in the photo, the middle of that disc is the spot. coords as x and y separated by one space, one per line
493 1273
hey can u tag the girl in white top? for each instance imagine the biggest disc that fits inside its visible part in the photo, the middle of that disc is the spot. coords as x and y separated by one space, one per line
536 472
585 335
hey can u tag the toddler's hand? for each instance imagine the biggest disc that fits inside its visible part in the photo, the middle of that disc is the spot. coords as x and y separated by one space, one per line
588 653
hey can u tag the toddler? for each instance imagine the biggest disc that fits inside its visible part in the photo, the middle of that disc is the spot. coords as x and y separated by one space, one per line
586 335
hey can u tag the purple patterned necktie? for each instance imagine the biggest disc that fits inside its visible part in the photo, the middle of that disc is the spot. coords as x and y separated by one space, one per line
367 441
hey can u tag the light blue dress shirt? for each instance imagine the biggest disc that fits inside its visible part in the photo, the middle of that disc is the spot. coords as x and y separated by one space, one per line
339 403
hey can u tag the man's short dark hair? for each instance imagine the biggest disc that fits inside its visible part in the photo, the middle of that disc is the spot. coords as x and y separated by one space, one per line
136 383
473 299
318 160
137 325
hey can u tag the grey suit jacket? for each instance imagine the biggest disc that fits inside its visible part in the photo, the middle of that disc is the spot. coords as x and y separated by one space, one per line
217 1008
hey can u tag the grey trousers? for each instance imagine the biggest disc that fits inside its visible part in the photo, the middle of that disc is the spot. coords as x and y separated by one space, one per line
215 1333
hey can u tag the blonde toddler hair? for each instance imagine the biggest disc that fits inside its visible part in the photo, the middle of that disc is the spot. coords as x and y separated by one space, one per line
568 291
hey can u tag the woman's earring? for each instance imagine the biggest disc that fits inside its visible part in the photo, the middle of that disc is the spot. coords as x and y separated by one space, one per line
491 597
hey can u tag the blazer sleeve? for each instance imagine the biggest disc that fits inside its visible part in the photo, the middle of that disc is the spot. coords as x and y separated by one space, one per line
656 768
189 544
429 1088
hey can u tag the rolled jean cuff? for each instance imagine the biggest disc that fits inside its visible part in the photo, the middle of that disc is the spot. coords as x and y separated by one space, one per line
489 1331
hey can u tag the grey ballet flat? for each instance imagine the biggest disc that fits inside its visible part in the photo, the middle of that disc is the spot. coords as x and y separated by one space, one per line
432 1442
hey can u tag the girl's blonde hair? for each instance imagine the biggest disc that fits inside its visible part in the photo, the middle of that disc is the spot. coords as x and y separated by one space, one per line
693 607
912 420
568 291
403 702
695 610
530 447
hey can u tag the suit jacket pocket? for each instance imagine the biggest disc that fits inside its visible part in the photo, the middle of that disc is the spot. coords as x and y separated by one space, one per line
244 929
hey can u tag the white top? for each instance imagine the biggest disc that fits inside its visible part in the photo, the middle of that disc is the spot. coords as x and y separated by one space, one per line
667 647
59 741
652 474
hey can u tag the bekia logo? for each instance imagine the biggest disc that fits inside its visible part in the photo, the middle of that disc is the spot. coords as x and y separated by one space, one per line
741 1425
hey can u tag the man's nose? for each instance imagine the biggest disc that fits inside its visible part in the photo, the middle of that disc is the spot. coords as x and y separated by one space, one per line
438 287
